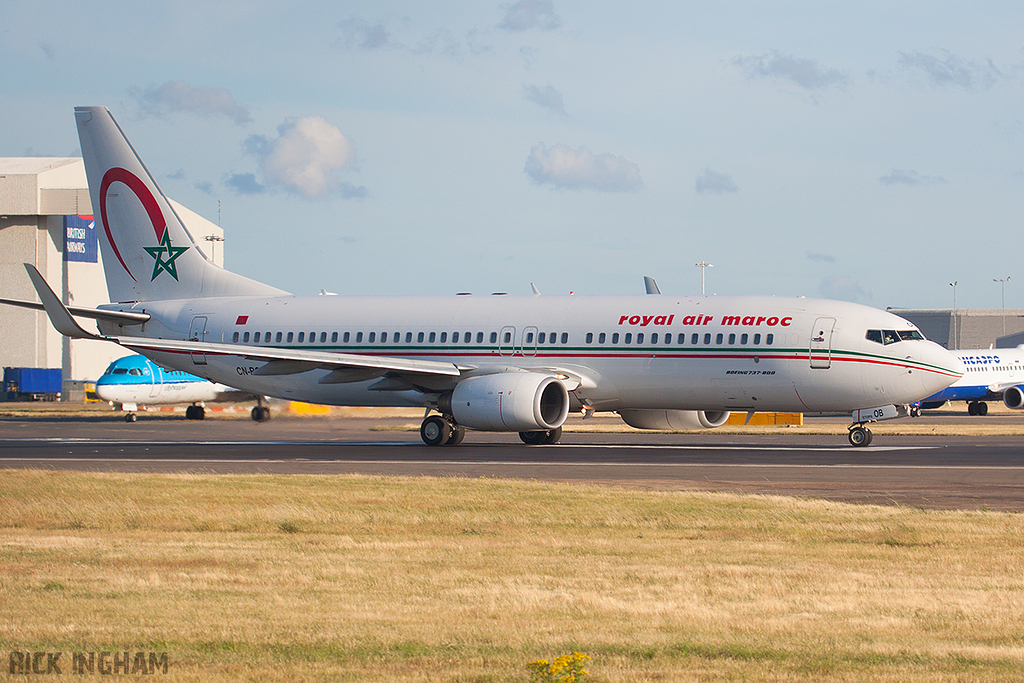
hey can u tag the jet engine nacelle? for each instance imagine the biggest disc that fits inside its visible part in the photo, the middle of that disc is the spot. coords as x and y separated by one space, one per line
510 402
674 420
1014 398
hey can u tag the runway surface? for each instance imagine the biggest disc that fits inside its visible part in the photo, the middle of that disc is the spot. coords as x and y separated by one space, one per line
936 472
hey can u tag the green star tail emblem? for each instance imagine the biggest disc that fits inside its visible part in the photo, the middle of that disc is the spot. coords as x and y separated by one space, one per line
171 253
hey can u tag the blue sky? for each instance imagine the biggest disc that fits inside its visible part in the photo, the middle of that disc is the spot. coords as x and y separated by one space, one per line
865 151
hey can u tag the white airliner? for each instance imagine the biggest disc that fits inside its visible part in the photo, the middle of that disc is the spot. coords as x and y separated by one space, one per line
990 375
135 381
487 363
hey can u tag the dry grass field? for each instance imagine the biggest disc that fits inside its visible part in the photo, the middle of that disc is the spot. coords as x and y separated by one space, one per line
281 578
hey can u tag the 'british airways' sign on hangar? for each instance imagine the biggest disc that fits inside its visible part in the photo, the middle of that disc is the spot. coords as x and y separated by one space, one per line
80 239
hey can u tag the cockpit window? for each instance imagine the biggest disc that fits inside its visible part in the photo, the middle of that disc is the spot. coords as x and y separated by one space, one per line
120 371
887 337
908 335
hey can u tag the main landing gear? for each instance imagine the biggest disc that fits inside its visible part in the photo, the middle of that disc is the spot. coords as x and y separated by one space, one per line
977 408
195 412
260 413
441 430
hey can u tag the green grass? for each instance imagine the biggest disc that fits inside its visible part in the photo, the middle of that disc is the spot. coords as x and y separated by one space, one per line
419 579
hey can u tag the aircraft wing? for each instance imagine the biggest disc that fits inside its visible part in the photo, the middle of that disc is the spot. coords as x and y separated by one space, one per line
292 361
347 367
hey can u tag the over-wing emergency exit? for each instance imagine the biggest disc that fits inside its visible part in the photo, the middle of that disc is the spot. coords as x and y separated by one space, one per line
491 363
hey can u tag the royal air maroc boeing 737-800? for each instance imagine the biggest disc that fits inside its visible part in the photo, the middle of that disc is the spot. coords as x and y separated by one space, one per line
491 363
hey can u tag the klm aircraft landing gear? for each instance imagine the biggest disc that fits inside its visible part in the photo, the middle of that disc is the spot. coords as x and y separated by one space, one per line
543 437
860 435
260 413
195 412
130 417
441 430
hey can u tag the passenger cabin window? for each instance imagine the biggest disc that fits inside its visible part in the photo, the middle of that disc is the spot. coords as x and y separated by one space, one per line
590 337
628 338
541 337
769 339
529 337
245 337
433 336
507 338
467 337
718 338
359 337
256 337
290 337
345 338
494 337
757 340
565 337
694 337
479 337
408 337
615 338
640 338
455 337
372 337
419 337
732 338
707 338
444 337
312 337
682 339
234 337
334 337
654 337
601 338
743 339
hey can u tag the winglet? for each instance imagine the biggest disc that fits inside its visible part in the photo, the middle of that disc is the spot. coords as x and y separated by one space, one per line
536 292
58 314
651 285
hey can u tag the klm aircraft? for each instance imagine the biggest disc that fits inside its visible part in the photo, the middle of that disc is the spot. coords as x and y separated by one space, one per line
135 380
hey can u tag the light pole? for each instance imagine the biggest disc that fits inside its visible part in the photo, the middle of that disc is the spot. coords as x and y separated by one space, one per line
956 342
1002 285
703 265
213 239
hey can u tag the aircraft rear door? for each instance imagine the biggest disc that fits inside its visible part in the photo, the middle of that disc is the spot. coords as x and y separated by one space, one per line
821 343
197 332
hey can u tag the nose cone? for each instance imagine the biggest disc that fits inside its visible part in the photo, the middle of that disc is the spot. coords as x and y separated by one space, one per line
937 368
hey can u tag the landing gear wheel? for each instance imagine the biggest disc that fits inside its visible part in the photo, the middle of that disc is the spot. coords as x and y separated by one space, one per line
130 417
540 438
195 413
982 408
860 436
972 408
915 411
435 431
260 413
458 434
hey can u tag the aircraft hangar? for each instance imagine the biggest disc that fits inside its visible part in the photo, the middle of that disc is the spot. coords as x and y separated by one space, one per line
46 220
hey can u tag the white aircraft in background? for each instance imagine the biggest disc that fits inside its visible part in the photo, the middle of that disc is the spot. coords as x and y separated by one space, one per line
492 363
135 381
990 375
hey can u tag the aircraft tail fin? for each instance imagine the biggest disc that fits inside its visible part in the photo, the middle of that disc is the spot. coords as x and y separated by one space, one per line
148 253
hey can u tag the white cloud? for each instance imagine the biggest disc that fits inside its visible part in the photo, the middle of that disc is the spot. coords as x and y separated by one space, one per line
806 73
158 100
360 33
951 70
305 158
527 14
823 258
710 182
547 97
901 177
844 289
563 167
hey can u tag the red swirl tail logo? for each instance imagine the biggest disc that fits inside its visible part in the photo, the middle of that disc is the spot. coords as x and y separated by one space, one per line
165 254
